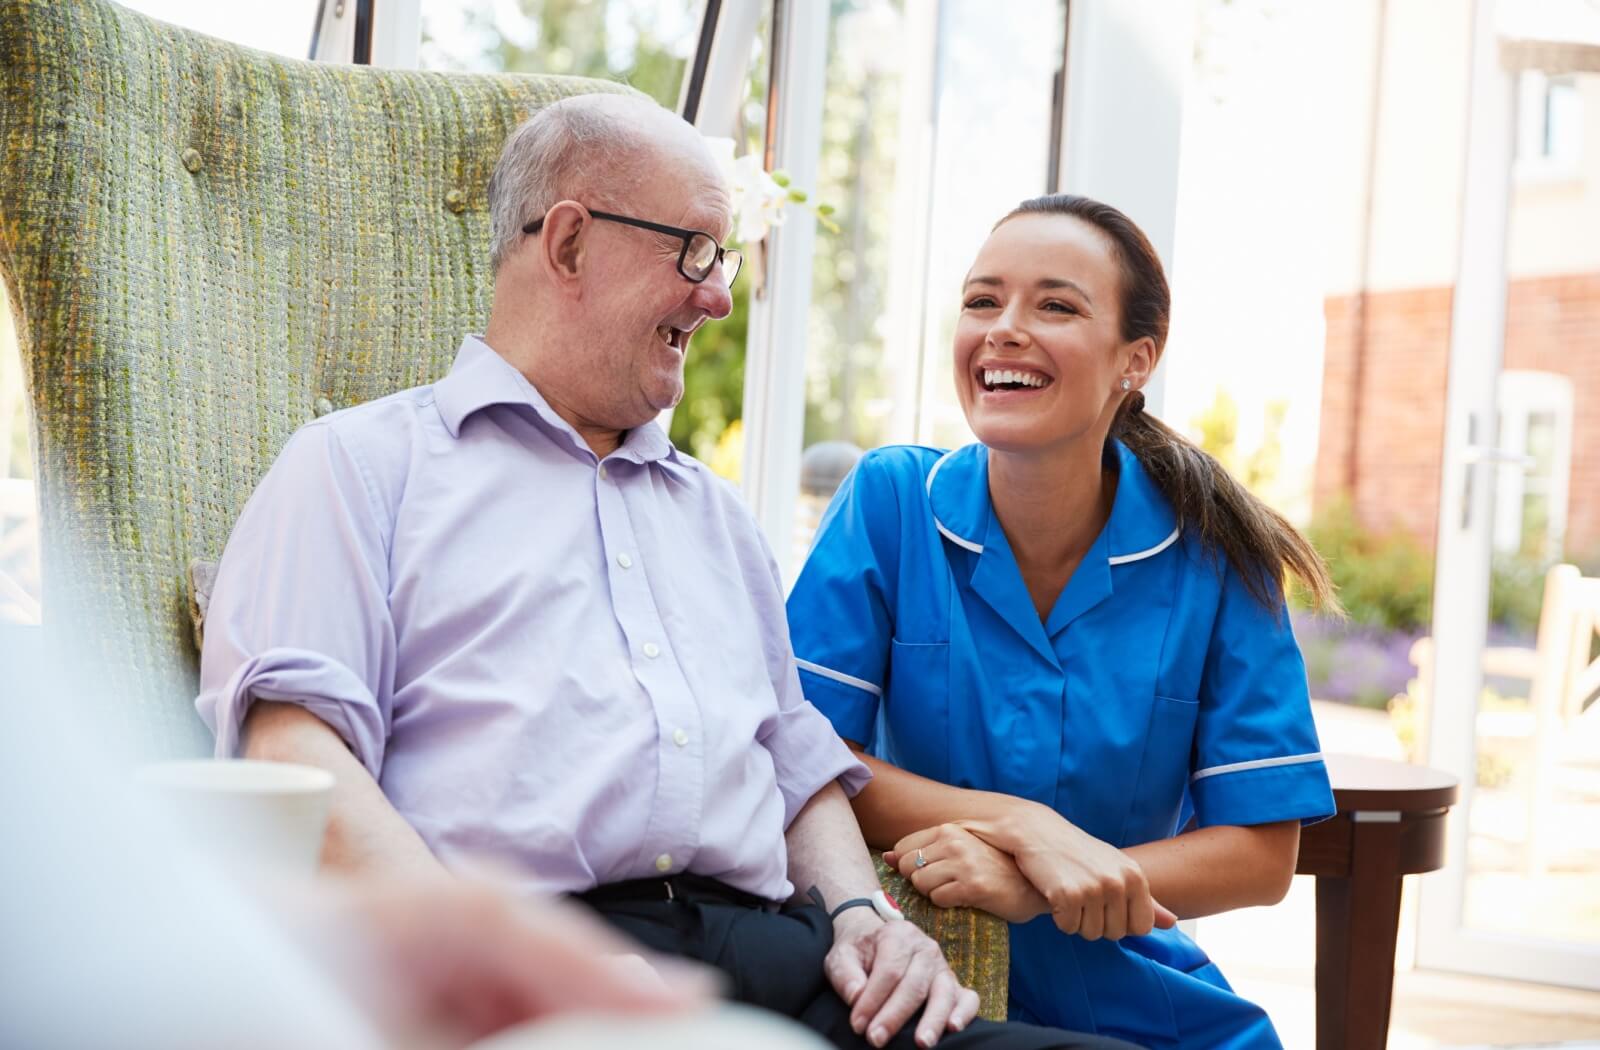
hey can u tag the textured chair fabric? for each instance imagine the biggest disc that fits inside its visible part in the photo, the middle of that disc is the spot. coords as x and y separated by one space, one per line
205 247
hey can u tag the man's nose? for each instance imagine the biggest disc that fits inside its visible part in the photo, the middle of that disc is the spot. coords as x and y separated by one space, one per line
713 295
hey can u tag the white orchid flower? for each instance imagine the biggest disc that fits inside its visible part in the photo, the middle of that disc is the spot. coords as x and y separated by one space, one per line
757 198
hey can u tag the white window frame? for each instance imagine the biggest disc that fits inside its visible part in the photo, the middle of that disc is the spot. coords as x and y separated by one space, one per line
1533 163
395 37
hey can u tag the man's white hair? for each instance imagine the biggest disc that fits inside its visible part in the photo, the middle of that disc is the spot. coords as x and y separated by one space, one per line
588 148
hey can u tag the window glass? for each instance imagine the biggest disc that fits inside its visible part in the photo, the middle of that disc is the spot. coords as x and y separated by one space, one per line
915 198
19 523
283 27
646 43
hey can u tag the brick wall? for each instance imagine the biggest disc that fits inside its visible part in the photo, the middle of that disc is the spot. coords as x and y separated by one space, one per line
1394 450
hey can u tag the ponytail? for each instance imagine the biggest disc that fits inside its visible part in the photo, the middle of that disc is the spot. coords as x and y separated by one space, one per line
1258 542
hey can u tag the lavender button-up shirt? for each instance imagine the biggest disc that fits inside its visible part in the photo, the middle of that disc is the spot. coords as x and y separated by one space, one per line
581 667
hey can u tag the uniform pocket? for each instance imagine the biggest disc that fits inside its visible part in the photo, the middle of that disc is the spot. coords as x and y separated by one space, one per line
917 708
1163 770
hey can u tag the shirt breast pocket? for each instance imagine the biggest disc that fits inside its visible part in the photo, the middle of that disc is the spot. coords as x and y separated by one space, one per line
917 708
1163 770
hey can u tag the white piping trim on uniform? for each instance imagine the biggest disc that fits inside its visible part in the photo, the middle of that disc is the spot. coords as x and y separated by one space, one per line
976 548
839 676
1260 763
1123 559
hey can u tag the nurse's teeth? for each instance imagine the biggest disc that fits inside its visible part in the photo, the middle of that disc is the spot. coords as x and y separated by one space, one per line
993 377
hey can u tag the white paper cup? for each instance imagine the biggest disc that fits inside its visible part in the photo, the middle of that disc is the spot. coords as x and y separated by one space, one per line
260 818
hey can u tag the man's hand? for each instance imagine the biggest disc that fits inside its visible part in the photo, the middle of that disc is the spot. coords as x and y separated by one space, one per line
885 971
962 870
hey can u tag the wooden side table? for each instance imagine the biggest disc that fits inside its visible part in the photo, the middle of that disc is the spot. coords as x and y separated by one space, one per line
1390 824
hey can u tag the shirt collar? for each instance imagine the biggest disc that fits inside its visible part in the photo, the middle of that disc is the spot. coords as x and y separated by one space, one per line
1142 522
480 378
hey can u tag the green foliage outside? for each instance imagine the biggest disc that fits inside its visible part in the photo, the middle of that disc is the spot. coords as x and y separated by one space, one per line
713 380
1385 579
1217 431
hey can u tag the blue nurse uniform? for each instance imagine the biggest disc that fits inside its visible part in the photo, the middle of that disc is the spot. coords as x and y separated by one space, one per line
1157 687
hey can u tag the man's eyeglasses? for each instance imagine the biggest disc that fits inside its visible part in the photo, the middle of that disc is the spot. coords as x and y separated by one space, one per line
700 251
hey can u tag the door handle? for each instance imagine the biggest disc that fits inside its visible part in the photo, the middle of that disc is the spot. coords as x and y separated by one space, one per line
1475 454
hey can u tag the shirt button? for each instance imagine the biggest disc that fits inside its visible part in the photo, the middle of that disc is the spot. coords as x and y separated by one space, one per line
664 863
602 472
625 561
652 650
680 738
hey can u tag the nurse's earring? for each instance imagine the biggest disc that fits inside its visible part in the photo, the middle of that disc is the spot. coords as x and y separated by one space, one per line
1127 384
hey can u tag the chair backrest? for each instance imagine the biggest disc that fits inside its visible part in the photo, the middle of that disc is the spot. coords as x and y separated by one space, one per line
205 246
1572 604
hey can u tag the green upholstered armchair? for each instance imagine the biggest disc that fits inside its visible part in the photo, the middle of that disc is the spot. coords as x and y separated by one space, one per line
205 247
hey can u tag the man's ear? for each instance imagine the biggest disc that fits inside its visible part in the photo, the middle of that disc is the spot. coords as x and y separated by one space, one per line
563 244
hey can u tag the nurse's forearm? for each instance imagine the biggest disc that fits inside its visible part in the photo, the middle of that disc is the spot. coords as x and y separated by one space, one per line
897 803
1216 869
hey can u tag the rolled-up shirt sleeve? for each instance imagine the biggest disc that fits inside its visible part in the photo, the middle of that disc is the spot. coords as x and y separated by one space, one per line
300 612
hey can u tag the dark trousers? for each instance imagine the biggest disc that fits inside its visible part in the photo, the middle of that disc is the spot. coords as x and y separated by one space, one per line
773 960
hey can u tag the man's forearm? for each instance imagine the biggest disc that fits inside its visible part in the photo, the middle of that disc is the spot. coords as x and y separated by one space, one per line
365 833
826 849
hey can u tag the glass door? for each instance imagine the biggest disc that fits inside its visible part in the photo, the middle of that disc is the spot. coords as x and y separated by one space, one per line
1513 633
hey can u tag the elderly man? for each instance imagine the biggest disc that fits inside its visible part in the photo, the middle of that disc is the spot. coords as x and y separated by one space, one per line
517 624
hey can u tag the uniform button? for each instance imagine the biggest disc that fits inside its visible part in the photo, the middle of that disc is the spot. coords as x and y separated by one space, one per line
625 561
680 738
652 650
602 472
664 863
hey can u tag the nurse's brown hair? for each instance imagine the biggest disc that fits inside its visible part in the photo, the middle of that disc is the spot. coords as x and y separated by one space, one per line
1262 547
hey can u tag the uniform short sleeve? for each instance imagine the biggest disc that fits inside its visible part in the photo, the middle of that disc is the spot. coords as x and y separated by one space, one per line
299 613
839 617
1257 759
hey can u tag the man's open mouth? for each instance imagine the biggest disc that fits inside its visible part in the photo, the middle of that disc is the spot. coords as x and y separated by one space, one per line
1012 379
677 338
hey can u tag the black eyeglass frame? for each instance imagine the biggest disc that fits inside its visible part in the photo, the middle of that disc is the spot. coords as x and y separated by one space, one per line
687 236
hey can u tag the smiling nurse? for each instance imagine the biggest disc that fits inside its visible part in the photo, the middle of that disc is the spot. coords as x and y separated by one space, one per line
1057 645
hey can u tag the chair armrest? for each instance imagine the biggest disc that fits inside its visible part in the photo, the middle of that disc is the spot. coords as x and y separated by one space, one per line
976 944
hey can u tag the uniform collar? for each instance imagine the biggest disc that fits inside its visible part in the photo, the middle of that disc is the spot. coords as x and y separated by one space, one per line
480 378
1141 525
1142 522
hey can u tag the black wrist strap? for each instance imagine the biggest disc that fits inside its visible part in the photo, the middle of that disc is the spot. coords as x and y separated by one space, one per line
857 902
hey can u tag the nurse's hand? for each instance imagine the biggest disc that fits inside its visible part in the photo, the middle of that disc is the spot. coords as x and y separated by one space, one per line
961 870
1095 890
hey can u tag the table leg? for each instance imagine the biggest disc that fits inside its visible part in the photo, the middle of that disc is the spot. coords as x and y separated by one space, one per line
1358 919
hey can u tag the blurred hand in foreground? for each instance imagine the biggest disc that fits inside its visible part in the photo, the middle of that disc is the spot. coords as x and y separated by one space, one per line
448 961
